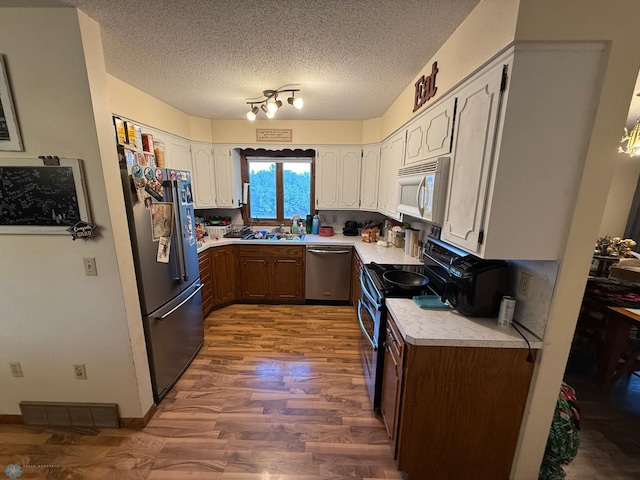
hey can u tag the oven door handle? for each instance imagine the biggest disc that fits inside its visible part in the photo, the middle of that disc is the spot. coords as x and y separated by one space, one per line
364 330
365 291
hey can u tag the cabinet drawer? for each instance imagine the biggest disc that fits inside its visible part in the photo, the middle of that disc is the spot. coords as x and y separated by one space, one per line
395 341
203 259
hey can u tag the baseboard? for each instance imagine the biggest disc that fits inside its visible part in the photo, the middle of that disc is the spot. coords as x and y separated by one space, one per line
139 422
11 419
123 422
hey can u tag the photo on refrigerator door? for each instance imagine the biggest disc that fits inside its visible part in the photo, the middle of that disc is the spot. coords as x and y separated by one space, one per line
161 220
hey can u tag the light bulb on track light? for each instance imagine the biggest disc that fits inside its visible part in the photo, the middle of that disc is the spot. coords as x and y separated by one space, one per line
251 114
296 102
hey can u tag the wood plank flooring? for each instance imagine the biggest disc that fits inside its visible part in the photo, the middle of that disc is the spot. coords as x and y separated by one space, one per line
276 393
610 422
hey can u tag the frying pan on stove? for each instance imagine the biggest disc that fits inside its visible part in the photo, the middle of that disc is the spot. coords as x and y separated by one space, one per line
408 281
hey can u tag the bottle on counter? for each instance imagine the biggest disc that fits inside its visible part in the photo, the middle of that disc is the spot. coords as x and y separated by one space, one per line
308 224
315 228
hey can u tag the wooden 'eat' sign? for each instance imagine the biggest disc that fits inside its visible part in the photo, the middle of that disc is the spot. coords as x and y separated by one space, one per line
425 88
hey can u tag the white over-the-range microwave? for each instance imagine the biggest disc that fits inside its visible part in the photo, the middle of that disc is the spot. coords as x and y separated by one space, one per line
422 190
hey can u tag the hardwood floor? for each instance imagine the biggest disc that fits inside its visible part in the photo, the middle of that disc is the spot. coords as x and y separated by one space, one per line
610 422
276 393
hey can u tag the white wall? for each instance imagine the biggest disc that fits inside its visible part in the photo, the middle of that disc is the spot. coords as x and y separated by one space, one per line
576 20
53 316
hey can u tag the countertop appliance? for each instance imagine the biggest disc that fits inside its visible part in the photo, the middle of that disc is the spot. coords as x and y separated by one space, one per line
328 273
350 228
423 190
372 316
158 204
471 285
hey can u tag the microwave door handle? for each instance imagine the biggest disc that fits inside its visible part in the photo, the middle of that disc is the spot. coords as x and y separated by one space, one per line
420 196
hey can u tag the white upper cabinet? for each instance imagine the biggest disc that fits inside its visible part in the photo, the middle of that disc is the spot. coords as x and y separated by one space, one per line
518 155
327 172
227 180
429 135
475 129
369 178
178 153
338 178
391 155
349 181
203 175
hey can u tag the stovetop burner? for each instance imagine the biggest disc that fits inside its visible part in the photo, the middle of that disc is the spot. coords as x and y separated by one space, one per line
385 289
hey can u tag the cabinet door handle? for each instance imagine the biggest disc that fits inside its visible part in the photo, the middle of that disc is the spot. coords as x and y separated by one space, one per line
275 261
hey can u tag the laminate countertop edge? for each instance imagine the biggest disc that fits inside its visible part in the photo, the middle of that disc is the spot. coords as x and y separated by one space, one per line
449 328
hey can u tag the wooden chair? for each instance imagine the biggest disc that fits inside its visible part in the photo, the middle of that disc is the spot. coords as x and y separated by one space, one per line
629 361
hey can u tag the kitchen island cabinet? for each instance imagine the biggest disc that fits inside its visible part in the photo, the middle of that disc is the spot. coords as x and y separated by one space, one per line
459 408
271 273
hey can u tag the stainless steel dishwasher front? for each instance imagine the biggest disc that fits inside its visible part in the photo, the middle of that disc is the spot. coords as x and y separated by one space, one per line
328 273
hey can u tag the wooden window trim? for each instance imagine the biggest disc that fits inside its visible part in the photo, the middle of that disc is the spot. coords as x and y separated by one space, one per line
287 153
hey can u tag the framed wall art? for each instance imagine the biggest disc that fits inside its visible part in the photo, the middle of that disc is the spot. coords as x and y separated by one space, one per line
9 134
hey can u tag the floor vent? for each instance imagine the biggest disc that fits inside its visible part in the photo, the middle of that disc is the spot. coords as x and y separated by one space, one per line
62 414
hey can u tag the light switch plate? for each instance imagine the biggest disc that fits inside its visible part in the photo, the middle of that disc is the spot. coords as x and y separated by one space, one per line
90 266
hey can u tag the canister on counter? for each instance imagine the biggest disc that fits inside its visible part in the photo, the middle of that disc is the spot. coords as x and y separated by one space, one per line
507 308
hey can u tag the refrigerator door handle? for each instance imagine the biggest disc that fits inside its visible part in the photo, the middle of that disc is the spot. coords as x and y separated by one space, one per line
182 261
181 303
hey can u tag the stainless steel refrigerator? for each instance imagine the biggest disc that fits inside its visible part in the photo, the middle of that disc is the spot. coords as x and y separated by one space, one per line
161 223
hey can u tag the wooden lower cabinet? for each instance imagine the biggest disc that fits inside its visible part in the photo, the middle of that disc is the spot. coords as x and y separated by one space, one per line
460 410
271 273
392 383
204 263
223 265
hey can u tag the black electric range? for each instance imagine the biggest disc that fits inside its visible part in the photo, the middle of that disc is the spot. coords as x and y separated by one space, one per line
384 289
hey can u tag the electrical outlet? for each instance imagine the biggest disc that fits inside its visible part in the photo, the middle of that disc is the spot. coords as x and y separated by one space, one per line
90 266
334 219
525 284
80 372
16 369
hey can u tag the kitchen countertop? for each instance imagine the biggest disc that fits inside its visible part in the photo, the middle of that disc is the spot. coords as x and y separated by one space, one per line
450 328
417 326
369 252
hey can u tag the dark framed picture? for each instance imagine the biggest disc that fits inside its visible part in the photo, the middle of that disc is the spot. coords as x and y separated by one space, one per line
9 134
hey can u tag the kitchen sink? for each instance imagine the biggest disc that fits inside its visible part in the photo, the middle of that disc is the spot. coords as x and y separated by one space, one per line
275 237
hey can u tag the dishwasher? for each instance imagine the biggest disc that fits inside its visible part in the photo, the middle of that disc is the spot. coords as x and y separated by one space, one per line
328 273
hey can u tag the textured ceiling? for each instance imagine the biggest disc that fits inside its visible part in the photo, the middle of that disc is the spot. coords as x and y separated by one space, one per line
351 58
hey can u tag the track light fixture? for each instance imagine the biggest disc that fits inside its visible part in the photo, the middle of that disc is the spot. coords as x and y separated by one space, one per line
270 104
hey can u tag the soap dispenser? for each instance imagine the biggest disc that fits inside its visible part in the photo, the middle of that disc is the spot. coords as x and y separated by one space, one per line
315 229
